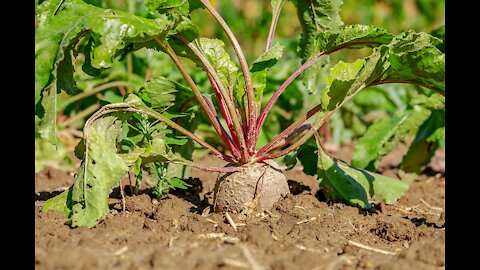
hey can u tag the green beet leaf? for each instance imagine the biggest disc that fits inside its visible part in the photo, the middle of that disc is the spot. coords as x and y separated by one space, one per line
339 82
171 7
267 59
114 30
425 143
260 67
60 203
58 32
366 149
413 58
219 58
159 93
316 16
356 186
440 33
100 172
403 60
385 134
351 36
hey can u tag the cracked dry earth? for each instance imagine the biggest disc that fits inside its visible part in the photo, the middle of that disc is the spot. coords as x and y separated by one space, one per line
302 231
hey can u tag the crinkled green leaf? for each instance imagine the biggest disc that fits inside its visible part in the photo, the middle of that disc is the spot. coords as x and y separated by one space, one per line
159 93
52 40
357 75
113 30
187 28
413 58
180 7
382 136
316 16
356 186
406 59
219 58
339 82
352 36
45 10
101 170
440 33
55 39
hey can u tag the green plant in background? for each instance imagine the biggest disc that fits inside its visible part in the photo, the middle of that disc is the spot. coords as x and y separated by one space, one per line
153 125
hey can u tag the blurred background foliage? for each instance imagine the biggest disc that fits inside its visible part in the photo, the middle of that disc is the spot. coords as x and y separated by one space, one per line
250 21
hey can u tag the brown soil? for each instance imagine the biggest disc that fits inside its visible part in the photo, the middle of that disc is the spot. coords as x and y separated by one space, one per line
302 231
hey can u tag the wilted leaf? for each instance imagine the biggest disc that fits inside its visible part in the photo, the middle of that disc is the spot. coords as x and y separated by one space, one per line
101 170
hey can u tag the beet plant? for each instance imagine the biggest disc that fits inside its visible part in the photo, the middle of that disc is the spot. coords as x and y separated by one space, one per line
142 132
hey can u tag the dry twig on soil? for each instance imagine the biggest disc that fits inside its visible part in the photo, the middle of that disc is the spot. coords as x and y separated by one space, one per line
230 220
386 252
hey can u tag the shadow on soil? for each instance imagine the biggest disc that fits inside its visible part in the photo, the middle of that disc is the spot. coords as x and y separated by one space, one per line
422 221
45 195
296 187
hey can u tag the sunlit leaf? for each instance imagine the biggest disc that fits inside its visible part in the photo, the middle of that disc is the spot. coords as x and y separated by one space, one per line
386 134
356 186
